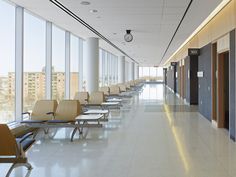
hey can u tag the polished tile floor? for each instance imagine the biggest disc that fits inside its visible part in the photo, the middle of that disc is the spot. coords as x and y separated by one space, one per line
154 135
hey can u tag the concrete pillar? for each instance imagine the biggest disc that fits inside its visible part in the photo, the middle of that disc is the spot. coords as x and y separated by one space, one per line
132 71
136 71
91 63
121 69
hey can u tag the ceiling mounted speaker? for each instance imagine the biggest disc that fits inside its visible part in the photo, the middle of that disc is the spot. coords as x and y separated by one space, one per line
128 36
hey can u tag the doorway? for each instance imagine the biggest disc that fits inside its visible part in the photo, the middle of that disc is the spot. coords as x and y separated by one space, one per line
214 81
223 90
182 82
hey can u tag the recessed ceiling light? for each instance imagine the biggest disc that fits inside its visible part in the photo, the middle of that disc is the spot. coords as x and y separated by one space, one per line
86 3
93 11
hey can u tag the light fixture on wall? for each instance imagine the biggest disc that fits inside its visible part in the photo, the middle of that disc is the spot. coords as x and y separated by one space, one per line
128 36
85 3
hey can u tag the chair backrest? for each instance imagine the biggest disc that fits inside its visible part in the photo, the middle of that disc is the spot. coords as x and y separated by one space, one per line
96 98
68 110
114 90
106 90
42 107
128 85
122 88
8 146
83 97
132 83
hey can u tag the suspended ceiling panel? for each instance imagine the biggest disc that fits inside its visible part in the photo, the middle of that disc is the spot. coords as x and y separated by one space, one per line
153 23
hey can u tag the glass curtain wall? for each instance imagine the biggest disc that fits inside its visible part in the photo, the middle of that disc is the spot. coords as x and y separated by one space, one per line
151 73
108 68
34 63
7 62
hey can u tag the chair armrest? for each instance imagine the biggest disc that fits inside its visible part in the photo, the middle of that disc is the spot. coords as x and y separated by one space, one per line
50 113
25 137
23 113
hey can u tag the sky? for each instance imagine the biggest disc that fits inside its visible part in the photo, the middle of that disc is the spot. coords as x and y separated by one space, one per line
7 36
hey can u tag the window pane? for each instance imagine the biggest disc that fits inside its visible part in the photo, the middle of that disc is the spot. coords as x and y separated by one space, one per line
140 71
160 73
7 62
153 72
145 71
58 63
34 60
74 65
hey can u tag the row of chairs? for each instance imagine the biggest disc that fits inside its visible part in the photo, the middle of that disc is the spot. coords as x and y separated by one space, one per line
50 113
68 113
12 150
45 114
118 89
96 99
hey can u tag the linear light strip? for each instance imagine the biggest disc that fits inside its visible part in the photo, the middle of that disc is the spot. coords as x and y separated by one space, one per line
201 26
73 15
177 29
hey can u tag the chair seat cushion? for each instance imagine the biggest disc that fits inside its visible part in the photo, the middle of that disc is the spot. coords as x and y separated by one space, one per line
26 143
58 121
33 121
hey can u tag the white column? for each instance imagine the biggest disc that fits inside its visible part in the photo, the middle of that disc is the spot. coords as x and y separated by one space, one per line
48 68
80 65
19 54
137 71
121 69
67 62
132 71
128 74
91 59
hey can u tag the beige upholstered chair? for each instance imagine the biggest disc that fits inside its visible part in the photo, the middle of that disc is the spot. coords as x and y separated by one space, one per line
132 83
114 90
41 110
96 98
122 88
82 97
128 86
67 111
105 90
13 150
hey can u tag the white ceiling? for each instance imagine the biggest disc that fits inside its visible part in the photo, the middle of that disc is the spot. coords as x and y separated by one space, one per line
153 23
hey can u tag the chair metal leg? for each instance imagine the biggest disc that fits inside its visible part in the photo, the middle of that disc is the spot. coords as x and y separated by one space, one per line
10 170
73 134
15 165
35 133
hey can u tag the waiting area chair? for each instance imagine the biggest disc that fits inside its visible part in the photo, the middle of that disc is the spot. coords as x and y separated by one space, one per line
67 115
41 111
105 90
66 112
96 99
123 87
13 150
82 97
115 90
